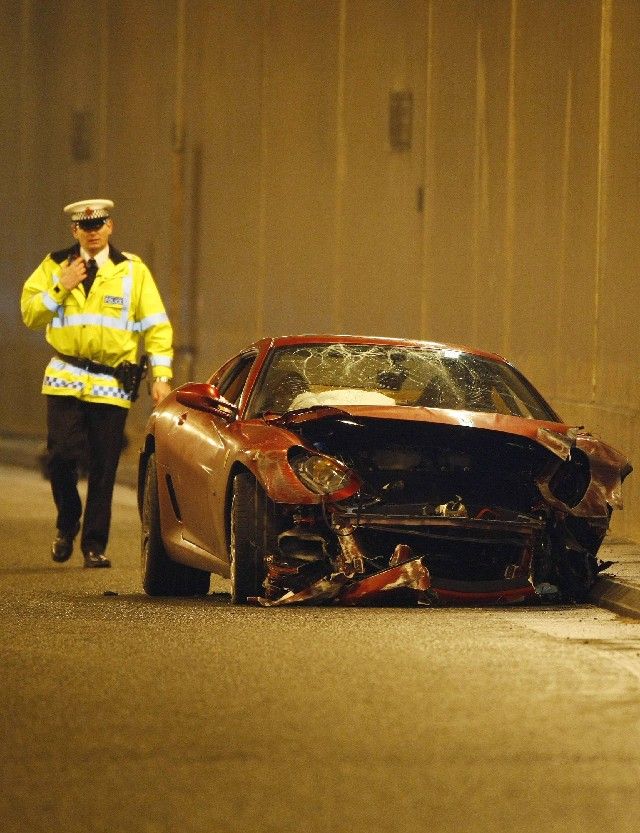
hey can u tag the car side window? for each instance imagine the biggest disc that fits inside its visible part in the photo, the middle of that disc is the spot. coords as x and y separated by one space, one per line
231 382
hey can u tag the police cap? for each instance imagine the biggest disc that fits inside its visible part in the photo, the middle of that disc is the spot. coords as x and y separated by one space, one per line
89 213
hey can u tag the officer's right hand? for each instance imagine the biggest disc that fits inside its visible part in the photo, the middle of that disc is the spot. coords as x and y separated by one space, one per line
73 273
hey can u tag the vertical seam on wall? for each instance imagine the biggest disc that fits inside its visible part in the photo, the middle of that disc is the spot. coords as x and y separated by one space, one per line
603 169
564 224
262 199
103 98
176 310
480 189
509 229
341 162
427 179
26 123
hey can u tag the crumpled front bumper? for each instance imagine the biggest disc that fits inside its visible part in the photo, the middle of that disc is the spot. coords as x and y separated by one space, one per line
411 577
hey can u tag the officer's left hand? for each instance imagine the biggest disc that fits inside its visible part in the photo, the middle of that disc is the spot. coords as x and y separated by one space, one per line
159 390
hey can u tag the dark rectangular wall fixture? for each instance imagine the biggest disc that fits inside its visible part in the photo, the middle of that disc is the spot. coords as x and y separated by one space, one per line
400 119
82 135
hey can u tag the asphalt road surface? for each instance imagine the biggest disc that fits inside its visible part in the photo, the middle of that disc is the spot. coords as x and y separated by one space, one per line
123 713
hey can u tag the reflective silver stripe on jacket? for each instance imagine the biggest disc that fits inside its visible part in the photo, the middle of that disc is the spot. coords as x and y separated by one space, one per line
165 361
108 322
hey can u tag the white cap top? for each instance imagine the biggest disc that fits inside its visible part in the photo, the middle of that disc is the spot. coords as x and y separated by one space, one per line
88 209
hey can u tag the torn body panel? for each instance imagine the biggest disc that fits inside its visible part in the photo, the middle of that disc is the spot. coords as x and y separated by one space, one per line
588 481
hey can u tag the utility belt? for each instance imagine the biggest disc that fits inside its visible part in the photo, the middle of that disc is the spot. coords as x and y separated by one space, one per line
129 374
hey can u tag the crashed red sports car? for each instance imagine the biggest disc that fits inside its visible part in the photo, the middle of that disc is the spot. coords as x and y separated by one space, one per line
351 470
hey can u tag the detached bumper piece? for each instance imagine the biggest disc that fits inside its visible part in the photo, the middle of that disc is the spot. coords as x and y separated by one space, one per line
410 579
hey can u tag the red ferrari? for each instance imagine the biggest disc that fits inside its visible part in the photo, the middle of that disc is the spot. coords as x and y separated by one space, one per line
352 470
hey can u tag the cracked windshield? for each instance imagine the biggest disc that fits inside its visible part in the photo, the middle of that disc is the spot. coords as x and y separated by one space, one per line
312 375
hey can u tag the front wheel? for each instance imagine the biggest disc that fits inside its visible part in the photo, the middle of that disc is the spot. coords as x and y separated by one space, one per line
161 576
253 535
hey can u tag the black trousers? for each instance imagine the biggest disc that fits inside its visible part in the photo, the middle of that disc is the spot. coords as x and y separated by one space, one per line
84 434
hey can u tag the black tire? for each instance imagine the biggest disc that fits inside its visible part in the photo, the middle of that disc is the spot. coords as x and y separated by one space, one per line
253 535
161 576
578 572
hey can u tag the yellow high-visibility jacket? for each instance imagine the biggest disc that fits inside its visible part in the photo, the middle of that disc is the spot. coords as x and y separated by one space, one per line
105 327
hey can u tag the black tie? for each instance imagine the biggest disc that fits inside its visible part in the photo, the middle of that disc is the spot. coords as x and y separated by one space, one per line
92 268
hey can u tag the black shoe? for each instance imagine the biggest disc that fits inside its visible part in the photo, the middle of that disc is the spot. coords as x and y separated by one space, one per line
96 559
62 546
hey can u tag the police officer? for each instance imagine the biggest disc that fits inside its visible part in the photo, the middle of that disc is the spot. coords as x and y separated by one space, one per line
94 303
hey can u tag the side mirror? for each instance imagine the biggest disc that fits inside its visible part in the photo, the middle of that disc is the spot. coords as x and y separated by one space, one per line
204 397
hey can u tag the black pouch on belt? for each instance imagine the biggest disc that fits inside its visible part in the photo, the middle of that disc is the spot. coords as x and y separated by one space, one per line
130 375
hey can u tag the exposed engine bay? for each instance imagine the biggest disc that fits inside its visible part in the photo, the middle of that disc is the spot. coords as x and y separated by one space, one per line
442 512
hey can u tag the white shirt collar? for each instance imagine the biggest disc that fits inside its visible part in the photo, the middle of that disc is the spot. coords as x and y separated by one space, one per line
101 258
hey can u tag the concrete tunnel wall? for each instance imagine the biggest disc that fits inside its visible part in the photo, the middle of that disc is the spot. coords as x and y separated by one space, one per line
248 147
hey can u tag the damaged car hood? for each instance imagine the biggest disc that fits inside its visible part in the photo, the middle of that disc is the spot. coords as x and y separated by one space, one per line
576 454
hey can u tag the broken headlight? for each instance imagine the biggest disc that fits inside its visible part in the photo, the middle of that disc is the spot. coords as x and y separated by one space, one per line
324 475
572 478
